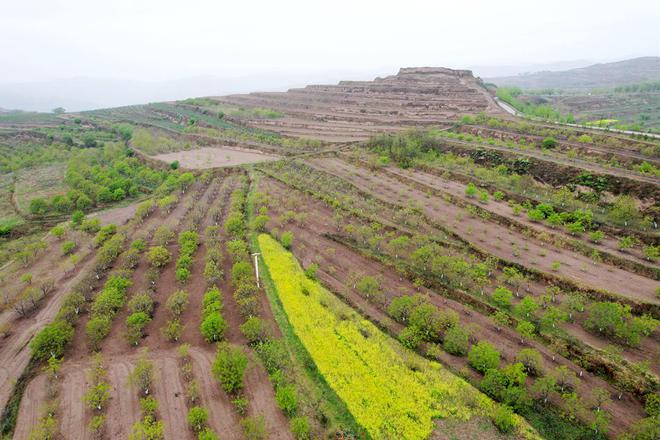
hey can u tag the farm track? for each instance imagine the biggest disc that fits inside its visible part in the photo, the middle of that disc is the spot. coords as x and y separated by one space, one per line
31 407
338 263
535 255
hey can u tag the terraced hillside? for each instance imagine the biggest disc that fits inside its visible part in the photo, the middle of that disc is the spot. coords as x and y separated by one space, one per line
355 110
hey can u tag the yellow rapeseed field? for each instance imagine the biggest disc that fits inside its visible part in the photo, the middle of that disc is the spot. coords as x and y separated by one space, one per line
390 391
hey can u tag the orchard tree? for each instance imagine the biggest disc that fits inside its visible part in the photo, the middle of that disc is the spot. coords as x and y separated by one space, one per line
566 380
531 360
172 330
624 210
526 307
526 330
483 356
600 397
51 340
177 303
97 395
401 307
457 341
213 327
159 256
369 287
229 367
607 317
501 319
543 388
502 297
197 418
143 373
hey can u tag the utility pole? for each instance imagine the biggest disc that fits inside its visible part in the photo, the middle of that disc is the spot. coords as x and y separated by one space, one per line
256 266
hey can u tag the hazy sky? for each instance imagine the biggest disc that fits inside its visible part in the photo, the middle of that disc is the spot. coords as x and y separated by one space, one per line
166 39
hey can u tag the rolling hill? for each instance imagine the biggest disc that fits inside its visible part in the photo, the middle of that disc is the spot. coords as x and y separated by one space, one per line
606 75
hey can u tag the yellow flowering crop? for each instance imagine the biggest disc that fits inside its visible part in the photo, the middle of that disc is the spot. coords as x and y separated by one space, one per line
391 392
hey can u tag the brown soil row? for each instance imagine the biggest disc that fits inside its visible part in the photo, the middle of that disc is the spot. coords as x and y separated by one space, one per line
338 264
123 409
534 254
501 208
559 170
591 149
16 353
646 351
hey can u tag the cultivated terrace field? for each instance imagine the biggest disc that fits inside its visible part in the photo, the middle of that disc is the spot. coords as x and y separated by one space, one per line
387 259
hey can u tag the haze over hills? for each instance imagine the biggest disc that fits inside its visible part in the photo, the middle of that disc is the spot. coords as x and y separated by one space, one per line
85 93
604 75
88 93
492 71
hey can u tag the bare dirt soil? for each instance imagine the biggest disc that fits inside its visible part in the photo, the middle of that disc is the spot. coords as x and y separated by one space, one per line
355 110
123 406
214 157
457 189
31 409
338 265
497 239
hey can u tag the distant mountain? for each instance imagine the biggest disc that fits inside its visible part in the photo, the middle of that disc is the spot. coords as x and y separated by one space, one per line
493 71
606 75
78 94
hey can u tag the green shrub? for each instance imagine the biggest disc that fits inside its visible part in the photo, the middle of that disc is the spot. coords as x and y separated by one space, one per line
229 367
411 337
213 327
401 307
535 215
141 302
502 296
549 143
503 419
207 434
57 231
197 418
531 359
135 323
148 429
287 239
287 399
159 256
652 405
149 406
273 354
483 356
255 330
51 340
177 303
104 234
77 217
300 428
172 329
68 247
471 190
90 225
596 236
457 341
